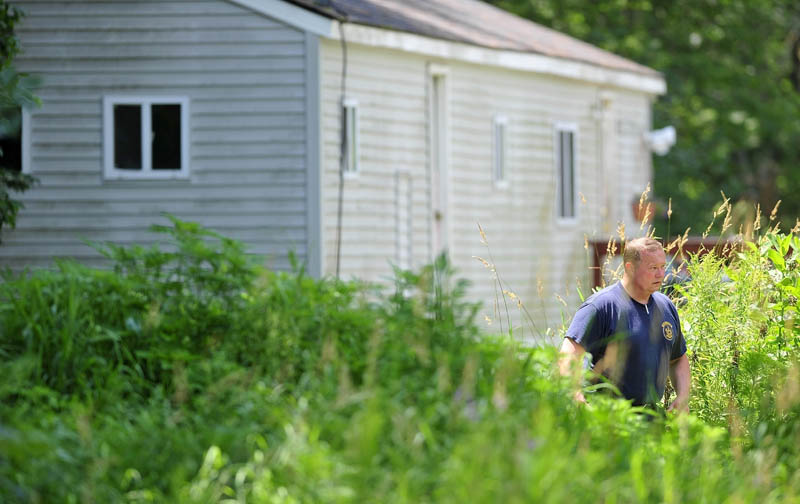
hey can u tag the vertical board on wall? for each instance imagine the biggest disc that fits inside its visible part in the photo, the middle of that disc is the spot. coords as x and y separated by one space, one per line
403 219
439 159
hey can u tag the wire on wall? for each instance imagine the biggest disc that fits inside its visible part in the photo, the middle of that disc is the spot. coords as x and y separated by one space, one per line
342 147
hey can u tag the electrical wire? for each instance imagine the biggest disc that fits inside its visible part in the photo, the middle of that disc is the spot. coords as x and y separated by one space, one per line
342 148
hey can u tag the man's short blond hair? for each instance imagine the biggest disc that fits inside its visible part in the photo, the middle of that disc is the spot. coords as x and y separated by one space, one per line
635 247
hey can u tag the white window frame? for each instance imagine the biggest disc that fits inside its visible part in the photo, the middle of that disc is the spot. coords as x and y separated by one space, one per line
147 171
352 164
558 129
25 140
500 151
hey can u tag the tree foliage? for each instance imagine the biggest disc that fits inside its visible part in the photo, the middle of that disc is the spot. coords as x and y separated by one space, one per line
16 91
733 73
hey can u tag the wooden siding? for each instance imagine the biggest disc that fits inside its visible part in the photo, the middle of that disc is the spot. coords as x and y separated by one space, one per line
245 77
529 246
389 87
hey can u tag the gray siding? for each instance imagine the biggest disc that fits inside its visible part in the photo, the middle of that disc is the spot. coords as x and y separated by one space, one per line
245 76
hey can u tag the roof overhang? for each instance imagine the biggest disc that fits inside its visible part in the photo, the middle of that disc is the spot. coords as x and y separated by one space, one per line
319 24
652 84
290 14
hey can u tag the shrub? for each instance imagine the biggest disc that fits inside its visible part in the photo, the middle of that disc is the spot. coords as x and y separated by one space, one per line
189 374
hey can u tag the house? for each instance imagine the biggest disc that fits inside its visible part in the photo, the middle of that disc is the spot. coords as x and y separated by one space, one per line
359 133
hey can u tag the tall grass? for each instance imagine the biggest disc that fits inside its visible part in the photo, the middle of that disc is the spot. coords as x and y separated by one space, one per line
196 376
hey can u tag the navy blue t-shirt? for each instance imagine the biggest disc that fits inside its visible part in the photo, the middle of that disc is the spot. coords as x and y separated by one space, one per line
632 344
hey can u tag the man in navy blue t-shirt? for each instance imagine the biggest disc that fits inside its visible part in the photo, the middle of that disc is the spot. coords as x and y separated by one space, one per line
633 332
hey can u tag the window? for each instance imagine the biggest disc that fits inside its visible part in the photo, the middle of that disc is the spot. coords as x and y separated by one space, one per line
566 180
350 140
499 151
146 137
14 139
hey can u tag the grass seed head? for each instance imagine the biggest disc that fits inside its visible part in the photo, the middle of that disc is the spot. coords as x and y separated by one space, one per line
726 222
796 227
774 212
483 261
484 240
723 206
757 221
509 294
643 197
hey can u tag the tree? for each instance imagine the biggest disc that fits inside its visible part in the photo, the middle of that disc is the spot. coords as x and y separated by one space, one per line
733 73
16 91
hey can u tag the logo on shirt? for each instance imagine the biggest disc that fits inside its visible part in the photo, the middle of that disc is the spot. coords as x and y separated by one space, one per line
666 328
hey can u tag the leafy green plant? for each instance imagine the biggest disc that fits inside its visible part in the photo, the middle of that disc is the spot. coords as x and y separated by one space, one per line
187 373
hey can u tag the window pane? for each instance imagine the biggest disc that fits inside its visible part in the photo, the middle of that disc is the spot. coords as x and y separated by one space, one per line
128 137
560 174
346 140
570 196
166 124
500 151
351 141
566 174
11 138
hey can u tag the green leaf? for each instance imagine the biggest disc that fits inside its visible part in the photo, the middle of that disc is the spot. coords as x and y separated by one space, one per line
777 259
785 242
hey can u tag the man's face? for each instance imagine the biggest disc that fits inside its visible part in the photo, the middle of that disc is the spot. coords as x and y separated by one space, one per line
649 273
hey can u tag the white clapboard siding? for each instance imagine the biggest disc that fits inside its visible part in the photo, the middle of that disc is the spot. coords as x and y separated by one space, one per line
389 87
541 259
529 245
632 120
245 77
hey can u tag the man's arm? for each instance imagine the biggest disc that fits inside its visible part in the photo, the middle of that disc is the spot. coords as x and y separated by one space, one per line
681 378
571 352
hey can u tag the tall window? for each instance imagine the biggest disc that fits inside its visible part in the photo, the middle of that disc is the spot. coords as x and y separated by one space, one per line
566 189
351 151
499 150
146 137
13 124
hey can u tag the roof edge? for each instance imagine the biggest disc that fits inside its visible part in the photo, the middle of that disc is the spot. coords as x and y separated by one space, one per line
649 83
303 18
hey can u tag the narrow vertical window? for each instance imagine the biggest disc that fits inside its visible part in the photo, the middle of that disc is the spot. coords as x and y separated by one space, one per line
146 137
566 189
351 147
11 139
499 150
